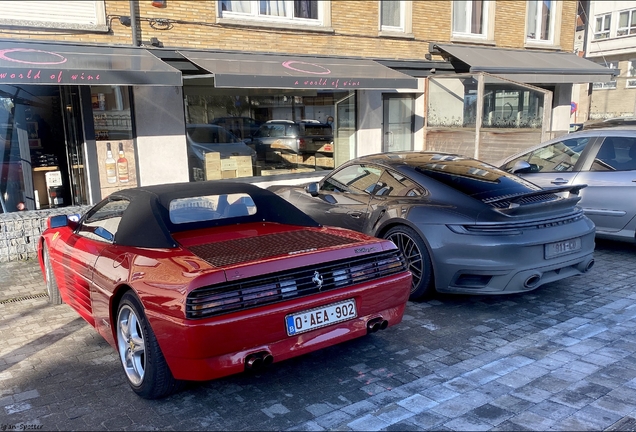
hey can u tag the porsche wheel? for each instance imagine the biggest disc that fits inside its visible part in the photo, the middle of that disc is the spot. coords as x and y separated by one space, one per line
417 259
143 362
52 289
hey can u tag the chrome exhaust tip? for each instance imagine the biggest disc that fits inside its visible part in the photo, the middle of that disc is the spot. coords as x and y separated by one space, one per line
384 325
253 362
268 359
532 281
376 324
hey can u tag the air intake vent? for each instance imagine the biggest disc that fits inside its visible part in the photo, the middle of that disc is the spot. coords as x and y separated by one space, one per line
501 202
254 248
232 296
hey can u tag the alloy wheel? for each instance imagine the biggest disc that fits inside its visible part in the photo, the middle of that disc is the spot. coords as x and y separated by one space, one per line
131 345
412 255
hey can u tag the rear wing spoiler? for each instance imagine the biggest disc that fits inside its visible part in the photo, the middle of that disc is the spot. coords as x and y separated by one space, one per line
515 208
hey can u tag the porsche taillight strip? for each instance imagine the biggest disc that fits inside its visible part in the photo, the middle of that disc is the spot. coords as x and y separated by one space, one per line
229 297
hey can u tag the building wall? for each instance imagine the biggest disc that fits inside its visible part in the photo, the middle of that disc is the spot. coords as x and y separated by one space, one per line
161 145
354 24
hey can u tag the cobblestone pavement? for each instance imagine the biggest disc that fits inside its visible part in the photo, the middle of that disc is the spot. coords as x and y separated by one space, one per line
562 357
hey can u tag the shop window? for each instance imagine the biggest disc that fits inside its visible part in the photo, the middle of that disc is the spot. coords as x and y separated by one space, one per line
243 133
540 21
470 18
112 120
626 23
77 15
307 12
631 74
602 26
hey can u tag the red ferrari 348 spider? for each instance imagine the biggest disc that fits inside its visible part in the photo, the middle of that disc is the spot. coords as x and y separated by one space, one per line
197 281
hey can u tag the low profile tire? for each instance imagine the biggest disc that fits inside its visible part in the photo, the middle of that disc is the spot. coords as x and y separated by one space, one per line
52 289
418 261
144 364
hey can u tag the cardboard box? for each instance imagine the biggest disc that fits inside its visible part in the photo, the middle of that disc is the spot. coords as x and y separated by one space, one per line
244 172
213 166
326 148
290 157
309 160
324 162
228 174
228 165
242 161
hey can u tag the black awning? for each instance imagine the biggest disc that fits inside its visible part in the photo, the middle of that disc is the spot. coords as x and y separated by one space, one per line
532 67
243 70
44 63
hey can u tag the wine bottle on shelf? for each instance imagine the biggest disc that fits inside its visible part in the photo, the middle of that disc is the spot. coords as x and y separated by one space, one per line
122 165
111 166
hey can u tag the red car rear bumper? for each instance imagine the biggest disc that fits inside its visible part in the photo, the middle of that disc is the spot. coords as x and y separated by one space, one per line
201 350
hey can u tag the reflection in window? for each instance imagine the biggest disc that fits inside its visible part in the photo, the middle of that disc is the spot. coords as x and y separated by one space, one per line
211 207
356 179
469 17
102 224
558 157
616 154
540 17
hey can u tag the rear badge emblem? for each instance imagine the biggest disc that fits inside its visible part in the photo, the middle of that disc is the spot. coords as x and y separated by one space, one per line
317 279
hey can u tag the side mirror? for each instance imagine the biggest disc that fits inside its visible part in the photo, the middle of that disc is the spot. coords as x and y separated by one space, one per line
521 166
313 189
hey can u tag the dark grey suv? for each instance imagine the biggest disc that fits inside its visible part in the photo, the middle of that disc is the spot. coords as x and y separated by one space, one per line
291 137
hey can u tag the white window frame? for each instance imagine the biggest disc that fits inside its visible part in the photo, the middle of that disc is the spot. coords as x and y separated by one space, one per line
255 16
486 18
603 18
42 20
631 74
406 19
630 13
610 85
555 23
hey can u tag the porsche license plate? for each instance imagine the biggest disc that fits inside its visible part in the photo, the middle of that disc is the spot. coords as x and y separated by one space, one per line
562 248
305 321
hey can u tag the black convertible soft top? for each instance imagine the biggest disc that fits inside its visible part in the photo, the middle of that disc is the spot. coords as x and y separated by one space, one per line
146 220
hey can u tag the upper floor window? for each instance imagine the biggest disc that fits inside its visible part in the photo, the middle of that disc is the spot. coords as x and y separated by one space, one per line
392 15
54 14
541 16
307 11
626 23
470 17
602 27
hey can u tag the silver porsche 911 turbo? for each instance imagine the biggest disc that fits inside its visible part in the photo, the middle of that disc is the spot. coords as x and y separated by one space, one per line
464 226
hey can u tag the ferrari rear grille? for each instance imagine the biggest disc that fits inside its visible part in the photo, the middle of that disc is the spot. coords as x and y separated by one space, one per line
255 248
521 201
249 293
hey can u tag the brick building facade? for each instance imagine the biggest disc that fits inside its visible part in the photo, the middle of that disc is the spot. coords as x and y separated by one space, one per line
163 62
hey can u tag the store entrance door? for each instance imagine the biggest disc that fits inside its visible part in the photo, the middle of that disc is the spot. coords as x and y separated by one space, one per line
74 142
397 122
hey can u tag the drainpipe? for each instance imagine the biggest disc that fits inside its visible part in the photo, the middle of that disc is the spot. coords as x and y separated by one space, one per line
133 22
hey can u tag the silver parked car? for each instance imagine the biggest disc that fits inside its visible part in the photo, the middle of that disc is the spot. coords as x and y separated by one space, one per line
604 160
464 226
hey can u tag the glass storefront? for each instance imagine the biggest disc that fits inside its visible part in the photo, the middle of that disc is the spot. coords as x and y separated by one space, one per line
43 143
242 133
